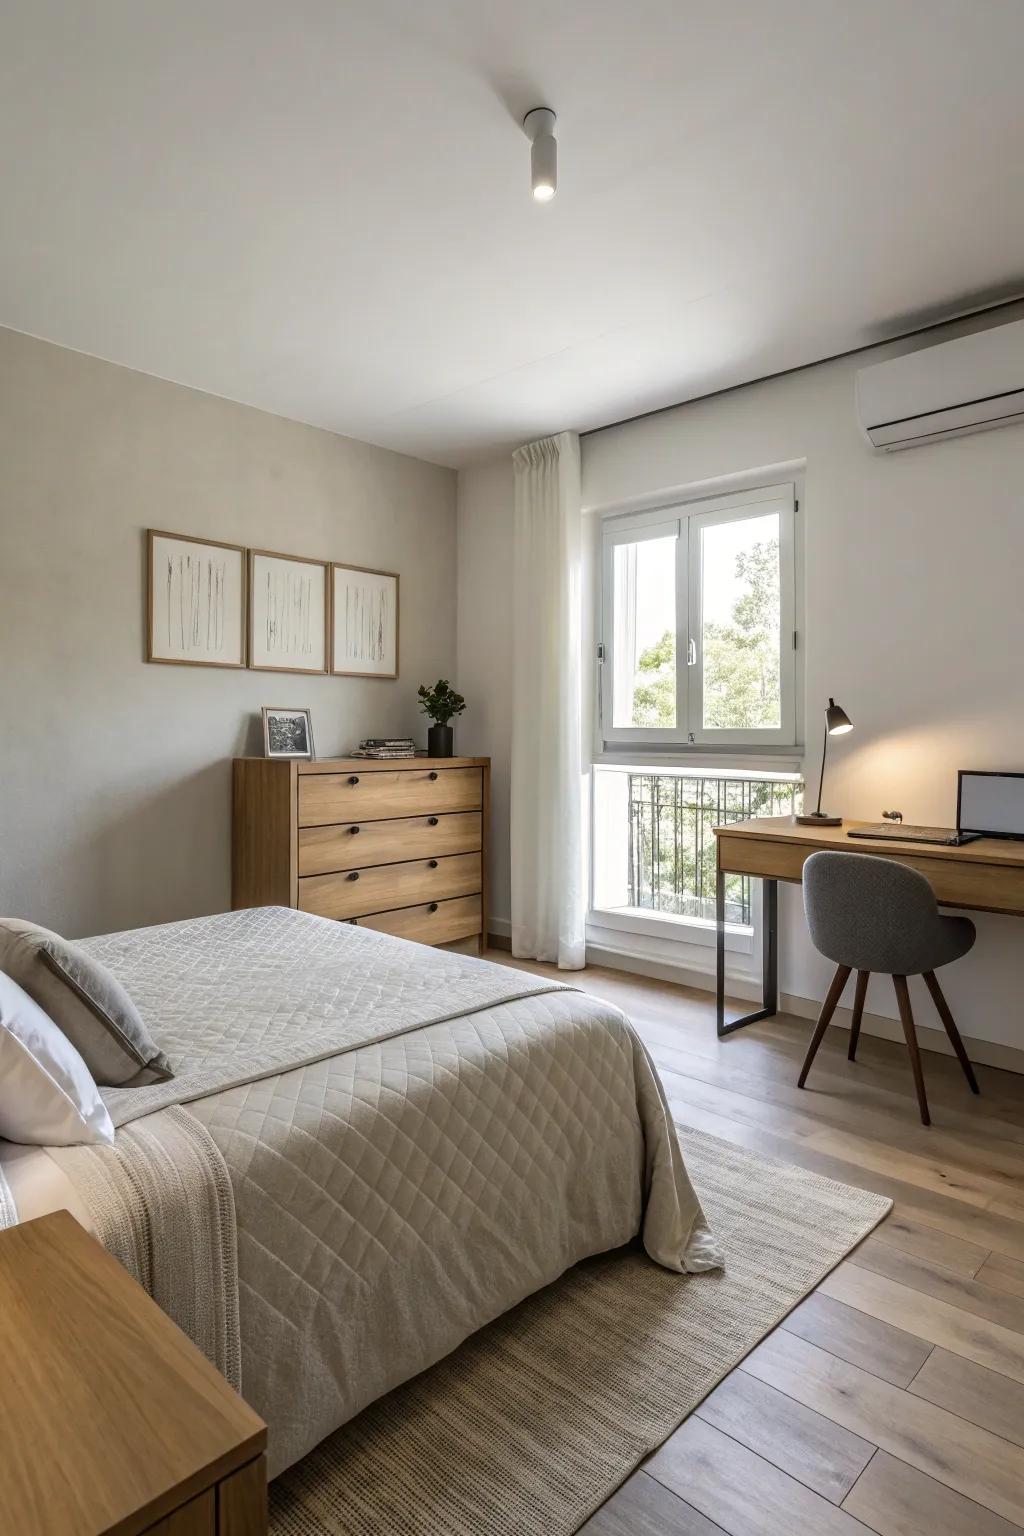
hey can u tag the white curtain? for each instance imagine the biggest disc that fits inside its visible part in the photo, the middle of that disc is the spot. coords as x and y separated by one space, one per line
548 888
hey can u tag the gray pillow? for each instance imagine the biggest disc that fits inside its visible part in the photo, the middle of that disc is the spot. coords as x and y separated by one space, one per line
86 1002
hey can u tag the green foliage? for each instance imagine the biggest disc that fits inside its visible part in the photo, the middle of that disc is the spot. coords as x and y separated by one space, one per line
440 702
654 699
741 659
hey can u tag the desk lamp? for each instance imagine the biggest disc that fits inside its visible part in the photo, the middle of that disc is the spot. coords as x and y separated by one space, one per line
837 723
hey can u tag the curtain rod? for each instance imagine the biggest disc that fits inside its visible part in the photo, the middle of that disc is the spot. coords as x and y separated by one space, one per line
782 373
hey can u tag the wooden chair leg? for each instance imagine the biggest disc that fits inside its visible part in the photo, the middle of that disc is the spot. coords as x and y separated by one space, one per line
858 1012
942 1008
907 1020
828 1008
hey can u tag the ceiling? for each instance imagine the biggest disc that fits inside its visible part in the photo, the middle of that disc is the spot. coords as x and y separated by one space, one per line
322 209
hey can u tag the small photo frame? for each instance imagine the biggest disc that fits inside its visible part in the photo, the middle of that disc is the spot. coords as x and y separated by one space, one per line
364 628
287 732
288 613
195 614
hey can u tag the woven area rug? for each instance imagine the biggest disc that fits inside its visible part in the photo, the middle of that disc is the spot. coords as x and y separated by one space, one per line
529 1426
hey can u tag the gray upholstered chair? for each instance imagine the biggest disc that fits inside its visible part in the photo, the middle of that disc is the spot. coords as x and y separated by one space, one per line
870 914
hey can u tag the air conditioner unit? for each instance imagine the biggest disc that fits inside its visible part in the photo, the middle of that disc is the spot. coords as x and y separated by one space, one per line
956 387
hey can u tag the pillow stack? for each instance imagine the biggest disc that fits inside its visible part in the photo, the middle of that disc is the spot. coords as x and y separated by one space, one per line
47 1095
66 1025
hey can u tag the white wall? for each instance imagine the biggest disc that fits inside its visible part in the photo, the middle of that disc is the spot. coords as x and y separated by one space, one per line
115 775
914 619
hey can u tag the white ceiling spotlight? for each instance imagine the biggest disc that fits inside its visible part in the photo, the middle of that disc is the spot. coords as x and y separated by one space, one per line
539 126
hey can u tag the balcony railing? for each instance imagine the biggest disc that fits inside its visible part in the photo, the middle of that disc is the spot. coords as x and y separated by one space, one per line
672 847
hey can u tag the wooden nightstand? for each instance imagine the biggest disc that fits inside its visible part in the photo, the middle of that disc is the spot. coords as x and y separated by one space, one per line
111 1421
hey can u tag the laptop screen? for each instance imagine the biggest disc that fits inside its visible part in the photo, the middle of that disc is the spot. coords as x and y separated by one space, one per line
992 803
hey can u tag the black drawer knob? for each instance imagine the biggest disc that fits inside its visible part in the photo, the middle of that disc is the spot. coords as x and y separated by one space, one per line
353 830
432 907
354 875
353 778
433 774
431 821
432 864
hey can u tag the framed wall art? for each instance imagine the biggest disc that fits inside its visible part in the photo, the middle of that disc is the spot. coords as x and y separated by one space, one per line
364 625
195 613
289 605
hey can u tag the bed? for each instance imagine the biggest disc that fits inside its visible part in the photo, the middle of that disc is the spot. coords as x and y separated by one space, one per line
369 1149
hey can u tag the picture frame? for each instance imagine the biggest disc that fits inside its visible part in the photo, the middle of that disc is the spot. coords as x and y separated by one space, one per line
289 613
287 733
195 601
364 621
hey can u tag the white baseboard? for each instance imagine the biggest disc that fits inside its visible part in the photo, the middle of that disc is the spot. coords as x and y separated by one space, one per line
694 976
987 1052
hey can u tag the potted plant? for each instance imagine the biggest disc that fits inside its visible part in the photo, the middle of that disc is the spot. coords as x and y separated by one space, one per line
441 703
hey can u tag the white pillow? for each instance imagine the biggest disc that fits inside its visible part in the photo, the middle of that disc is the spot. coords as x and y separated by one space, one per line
47 1095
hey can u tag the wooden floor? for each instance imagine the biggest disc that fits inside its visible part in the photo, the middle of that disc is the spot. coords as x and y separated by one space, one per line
892 1399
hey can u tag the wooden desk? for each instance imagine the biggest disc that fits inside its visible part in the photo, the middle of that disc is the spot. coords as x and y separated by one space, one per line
985 876
111 1421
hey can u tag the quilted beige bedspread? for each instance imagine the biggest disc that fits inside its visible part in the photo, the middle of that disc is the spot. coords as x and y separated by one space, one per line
414 1140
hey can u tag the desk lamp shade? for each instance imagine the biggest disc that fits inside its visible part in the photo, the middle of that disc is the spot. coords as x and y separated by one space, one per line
837 723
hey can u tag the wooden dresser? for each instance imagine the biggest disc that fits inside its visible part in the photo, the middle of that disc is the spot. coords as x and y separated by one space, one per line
399 846
111 1421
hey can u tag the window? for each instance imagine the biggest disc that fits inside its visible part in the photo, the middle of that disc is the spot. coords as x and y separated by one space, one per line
654 845
698 623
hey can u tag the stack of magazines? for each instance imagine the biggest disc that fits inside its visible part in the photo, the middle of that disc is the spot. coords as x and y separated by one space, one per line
384 747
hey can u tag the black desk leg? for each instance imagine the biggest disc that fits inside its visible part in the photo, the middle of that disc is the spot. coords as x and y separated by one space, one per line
769 963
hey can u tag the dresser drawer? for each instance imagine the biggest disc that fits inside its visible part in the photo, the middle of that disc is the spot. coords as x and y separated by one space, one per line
439 922
351 846
325 798
390 885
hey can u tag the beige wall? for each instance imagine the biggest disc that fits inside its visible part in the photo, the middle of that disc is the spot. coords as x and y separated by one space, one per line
484 666
914 620
115 775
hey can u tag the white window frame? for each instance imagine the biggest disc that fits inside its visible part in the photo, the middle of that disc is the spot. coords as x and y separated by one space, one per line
688 519
637 529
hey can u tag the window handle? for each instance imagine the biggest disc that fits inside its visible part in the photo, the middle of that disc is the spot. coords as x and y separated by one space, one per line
691 652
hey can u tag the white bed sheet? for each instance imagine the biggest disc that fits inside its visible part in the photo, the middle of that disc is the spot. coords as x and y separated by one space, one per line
37 1185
